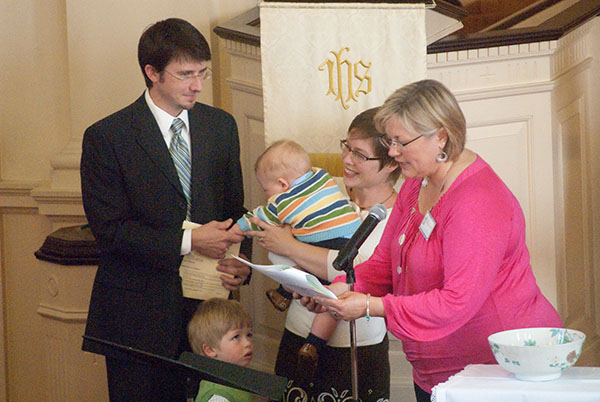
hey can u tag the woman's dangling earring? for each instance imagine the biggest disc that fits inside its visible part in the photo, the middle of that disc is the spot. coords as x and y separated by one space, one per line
441 157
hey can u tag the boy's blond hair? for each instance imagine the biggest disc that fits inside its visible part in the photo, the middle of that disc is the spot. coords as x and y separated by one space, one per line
284 158
213 319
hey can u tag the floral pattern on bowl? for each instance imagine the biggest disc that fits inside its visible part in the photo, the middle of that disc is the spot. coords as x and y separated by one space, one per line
537 354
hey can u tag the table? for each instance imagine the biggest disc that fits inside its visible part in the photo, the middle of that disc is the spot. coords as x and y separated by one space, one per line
492 383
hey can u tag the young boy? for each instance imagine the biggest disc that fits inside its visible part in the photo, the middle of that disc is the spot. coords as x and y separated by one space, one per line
309 201
222 329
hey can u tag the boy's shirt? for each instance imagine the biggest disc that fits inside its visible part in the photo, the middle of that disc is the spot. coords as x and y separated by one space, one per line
313 206
212 392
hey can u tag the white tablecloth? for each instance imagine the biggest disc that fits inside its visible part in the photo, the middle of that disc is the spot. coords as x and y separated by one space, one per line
492 383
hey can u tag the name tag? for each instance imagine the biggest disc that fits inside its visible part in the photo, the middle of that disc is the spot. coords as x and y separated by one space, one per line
427 225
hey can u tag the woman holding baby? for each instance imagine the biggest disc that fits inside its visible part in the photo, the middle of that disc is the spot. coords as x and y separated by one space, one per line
369 176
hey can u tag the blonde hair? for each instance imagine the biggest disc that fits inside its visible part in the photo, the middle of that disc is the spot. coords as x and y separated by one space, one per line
284 158
213 319
423 108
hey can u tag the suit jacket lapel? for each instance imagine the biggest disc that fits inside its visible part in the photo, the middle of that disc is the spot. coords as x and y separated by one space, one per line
150 138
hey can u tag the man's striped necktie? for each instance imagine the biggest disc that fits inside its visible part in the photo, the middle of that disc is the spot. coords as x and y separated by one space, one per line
181 158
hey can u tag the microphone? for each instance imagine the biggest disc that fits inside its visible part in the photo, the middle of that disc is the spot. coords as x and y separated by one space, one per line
346 255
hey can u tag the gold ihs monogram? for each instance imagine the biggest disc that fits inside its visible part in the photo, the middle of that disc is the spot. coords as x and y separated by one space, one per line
342 75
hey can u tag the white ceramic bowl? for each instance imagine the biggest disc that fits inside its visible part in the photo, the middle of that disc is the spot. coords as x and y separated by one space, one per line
537 354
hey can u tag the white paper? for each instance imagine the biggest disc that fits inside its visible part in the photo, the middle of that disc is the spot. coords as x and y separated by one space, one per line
292 278
199 276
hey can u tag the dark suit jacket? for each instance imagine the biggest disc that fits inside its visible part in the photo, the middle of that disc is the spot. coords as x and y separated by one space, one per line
135 207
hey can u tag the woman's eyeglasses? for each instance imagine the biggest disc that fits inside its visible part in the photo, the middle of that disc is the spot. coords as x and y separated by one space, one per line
388 143
356 156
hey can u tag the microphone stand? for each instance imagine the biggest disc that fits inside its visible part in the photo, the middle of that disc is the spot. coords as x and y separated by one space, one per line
348 266
345 262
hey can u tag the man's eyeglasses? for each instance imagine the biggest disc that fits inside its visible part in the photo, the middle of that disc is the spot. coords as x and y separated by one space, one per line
357 156
189 77
386 142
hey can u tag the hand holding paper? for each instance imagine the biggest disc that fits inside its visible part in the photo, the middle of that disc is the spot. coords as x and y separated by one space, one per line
233 273
292 278
199 276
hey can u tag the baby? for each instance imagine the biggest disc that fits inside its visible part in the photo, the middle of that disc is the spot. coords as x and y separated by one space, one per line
222 329
307 199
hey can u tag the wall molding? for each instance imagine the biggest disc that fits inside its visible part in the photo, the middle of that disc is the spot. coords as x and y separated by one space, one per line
17 194
62 314
506 91
58 202
574 49
27 194
498 53
242 49
495 72
245 86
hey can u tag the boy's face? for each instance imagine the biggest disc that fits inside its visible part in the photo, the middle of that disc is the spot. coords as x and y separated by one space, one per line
236 347
270 185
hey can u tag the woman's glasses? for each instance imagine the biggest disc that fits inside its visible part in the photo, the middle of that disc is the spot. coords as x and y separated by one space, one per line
356 156
388 143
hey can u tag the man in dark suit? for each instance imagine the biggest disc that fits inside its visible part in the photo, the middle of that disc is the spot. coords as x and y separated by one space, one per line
136 200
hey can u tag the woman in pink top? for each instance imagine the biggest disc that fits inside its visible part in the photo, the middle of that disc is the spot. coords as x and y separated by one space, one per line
452 266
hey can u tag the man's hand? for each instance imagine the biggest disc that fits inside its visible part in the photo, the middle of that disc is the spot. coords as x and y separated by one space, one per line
237 272
212 239
236 230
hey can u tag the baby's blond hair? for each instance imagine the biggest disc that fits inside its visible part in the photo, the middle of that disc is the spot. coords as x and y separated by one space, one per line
213 319
284 158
